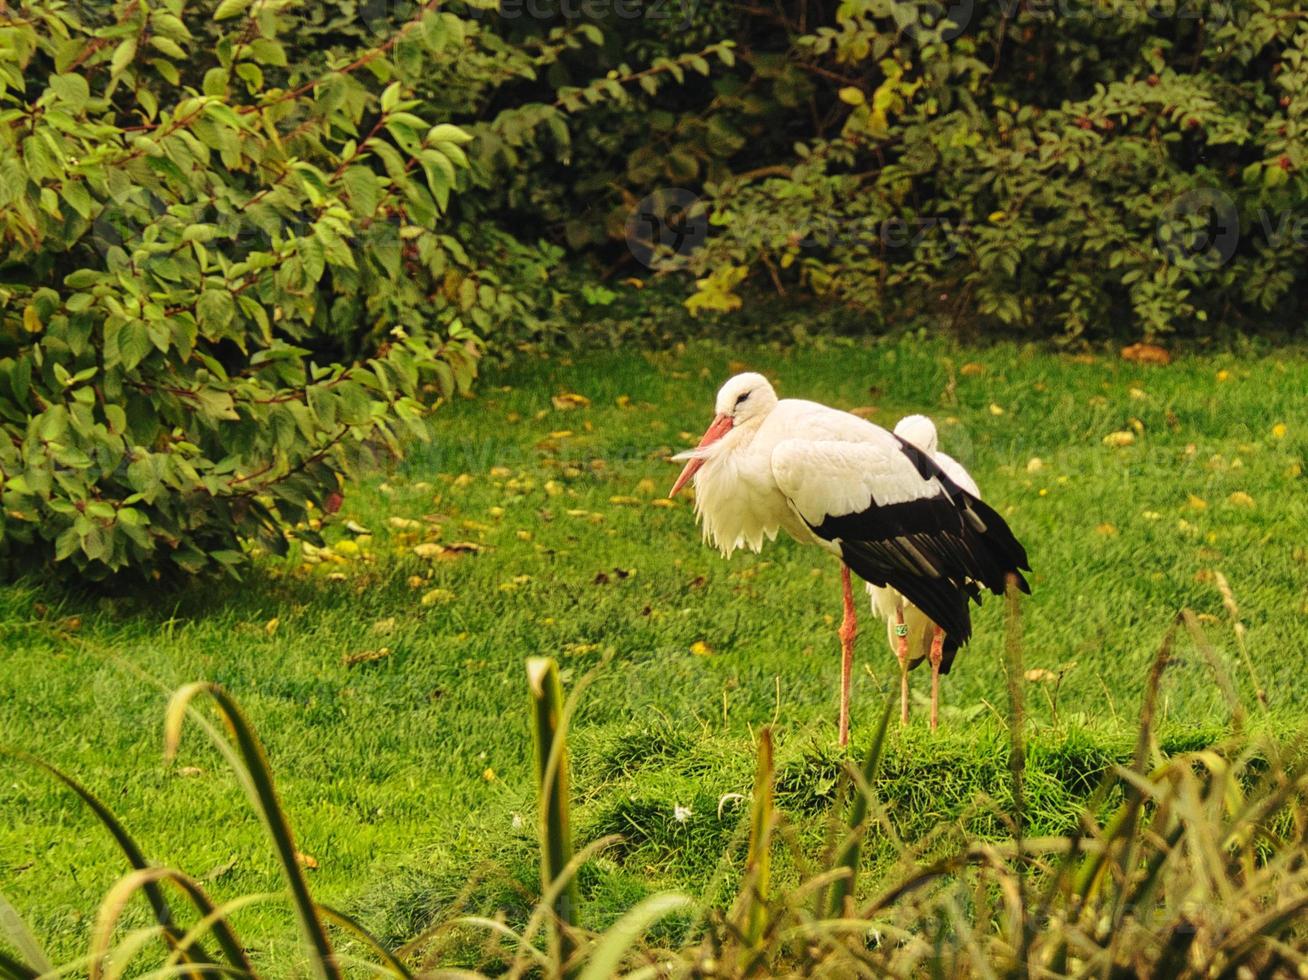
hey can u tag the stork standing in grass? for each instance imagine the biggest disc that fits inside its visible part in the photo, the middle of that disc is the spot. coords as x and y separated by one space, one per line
913 635
873 499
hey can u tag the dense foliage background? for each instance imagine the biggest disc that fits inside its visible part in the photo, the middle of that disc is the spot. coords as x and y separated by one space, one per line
247 243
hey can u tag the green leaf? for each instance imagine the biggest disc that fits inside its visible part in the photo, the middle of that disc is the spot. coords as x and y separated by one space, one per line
123 57
364 189
447 133
133 343
231 8
71 89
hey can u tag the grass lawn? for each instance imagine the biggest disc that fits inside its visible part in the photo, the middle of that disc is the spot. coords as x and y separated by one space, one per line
389 687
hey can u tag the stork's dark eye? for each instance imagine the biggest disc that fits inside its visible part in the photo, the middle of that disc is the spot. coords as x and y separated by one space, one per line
741 400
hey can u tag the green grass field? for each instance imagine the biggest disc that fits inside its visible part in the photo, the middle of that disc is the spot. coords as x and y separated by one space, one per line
389 687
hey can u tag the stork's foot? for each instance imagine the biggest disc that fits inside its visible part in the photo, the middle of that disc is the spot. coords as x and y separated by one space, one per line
936 656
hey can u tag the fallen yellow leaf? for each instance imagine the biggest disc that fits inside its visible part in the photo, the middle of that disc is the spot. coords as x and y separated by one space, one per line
365 656
701 649
996 409
1196 503
1146 354
1117 440
570 400
1241 499
270 627
435 596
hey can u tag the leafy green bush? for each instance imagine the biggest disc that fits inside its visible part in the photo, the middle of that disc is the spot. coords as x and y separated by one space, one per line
225 279
1059 169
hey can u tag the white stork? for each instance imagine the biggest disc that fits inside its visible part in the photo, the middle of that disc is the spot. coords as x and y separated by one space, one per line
876 501
913 636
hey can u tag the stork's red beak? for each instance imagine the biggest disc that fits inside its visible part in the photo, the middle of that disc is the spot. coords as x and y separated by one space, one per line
720 427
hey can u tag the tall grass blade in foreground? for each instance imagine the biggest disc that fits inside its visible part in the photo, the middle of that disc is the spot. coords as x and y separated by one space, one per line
14 931
163 914
758 865
244 752
847 858
549 737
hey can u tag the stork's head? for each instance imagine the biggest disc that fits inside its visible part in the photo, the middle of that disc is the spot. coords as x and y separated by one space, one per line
743 402
920 431
745 397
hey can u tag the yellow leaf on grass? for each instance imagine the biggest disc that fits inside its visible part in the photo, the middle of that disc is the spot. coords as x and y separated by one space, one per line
1107 530
428 550
365 656
1241 499
1196 503
570 400
701 649
403 524
972 369
996 409
1118 440
1035 464
436 596
307 860
270 627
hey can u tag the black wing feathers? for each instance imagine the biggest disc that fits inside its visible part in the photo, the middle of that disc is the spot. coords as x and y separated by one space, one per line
933 550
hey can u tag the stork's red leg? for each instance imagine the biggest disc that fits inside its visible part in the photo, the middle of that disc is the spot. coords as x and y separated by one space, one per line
848 630
901 651
937 654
